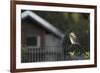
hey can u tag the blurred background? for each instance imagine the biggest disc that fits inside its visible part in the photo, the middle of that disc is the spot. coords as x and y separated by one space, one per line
70 22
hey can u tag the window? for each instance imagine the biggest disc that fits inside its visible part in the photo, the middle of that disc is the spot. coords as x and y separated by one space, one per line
33 41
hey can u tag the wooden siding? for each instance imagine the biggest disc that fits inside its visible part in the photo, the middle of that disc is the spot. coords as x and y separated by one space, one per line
29 28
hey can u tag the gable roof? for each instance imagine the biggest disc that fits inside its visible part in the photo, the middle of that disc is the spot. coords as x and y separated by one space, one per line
43 22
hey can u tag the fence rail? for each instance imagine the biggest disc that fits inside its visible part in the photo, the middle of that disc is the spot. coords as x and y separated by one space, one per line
42 54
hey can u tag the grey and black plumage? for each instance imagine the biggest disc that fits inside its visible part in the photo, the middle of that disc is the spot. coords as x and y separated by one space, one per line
75 45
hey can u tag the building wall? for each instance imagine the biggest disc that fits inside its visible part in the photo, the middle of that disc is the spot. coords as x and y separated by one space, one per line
54 48
50 43
31 28
28 29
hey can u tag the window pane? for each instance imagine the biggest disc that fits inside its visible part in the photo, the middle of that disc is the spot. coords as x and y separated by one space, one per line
31 41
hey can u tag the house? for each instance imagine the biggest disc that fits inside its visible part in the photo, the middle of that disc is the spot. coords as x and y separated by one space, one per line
42 39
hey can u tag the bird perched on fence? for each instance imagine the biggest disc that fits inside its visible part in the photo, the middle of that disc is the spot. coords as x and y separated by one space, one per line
75 45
